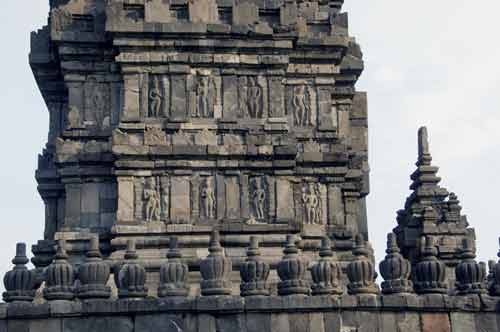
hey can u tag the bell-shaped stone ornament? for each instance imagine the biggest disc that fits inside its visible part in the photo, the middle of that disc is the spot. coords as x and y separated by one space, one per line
20 283
395 269
430 273
360 271
326 272
60 277
173 273
132 275
292 270
254 272
94 274
216 269
495 289
470 275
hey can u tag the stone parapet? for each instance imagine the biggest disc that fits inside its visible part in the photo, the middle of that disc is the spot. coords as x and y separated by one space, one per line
260 313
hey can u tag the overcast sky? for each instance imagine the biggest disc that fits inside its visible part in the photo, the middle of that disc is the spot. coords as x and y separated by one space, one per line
431 63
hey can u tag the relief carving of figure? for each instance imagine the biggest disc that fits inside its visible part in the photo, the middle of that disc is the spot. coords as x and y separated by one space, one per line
311 201
258 199
165 197
206 97
155 100
151 196
207 194
254 98
302 106
98 104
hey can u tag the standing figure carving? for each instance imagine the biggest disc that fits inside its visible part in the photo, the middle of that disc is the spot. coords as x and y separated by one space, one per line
258 199
152 198
206 97
155 100
98 103
207 194
311 201
302 106
165 197
254 98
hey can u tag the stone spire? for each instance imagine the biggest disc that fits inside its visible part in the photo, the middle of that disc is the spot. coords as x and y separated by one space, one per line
495 282
94 274
395 269
173 273
216 269
431 210
254 271
430 272
360 271
469 273
132 275
326 272
60 276
20 283
292 271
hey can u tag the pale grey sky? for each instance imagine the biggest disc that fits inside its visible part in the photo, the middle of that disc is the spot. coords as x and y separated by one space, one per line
431 63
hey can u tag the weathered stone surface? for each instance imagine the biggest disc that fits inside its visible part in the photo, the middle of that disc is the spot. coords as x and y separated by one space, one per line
98 324
461 322
486 322
435 322
159 322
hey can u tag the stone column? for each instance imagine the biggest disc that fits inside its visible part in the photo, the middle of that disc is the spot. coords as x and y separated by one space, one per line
125 213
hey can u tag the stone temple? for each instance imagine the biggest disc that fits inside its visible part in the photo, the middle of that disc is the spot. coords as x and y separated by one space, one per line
206 170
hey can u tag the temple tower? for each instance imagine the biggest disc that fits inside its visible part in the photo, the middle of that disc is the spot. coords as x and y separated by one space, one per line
178 117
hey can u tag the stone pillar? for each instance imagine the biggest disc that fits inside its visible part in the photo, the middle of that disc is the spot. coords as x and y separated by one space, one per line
125 213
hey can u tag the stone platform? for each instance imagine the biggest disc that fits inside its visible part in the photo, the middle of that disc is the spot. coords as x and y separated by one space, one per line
365 313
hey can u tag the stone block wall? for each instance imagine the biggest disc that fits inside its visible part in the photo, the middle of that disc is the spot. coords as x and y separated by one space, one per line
430 313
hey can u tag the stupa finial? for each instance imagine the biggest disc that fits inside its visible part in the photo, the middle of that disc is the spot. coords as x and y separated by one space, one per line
424 154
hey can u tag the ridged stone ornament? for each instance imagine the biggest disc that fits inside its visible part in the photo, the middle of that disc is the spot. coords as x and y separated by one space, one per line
430 273
94 274
20 283
470 274
495 288
132 275
360 271
292 271
60 277
216 269
326 272
254 272
173 273
395 269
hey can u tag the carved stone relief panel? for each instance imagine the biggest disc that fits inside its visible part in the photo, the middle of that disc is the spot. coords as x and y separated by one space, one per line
302 104
208 199
250 97
310 198
204 95
259 198
152 198
97 104
158 97
155 136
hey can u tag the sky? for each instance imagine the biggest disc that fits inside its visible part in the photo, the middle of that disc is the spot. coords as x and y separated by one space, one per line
432 63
